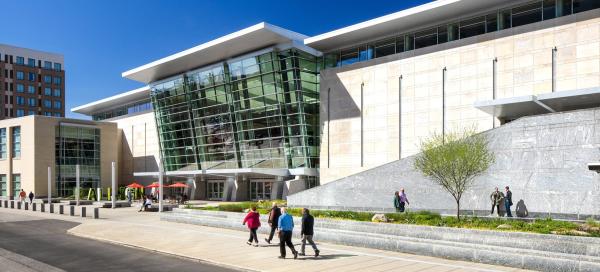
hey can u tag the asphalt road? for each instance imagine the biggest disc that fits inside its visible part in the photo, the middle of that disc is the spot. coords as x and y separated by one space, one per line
30 244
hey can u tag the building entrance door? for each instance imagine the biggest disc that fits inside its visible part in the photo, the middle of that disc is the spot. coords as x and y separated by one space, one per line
215 189
260 189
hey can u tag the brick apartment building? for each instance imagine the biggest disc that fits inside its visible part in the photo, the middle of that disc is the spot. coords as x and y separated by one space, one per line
31 83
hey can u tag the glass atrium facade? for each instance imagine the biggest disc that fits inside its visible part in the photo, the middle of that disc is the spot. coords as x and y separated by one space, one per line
519 15
77 145
140 106
258 111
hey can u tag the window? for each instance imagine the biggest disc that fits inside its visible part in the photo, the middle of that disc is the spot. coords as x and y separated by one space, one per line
349 56
20 100
365 53
20 88
32 102
549 7
16 182
527 14
57 66
584 5
31 112
3 185
57 80
57 92
46 113
47 65
47 103
48 79
16 142
472 27
31 76
57 104
48 91
57 114
20 75
491 21
31 62
442 36
3 149
426 38
385 48
20 112
20 60
31 89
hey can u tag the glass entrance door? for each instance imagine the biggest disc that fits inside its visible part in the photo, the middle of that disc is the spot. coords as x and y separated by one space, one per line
215 190
260 189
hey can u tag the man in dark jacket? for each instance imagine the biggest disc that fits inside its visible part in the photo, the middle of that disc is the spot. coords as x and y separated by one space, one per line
308 222
273 219
508 201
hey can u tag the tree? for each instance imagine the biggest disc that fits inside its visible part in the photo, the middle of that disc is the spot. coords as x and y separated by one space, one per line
454 160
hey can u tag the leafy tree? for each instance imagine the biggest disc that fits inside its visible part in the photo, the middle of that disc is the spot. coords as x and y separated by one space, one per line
454 160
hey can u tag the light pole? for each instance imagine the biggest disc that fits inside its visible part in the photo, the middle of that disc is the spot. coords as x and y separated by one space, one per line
77 184
49 185
113 197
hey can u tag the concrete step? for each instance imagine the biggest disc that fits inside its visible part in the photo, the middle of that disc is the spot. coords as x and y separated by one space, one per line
536 256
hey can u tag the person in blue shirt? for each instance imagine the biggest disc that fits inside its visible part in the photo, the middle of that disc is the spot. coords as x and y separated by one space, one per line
286 226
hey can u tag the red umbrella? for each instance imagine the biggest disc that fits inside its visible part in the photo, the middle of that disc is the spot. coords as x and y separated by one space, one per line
135 185
177 185
153 185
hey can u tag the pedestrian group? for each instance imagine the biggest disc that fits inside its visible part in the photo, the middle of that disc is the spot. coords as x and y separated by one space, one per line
282 224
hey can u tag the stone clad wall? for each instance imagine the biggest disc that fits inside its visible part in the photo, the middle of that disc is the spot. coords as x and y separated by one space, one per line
542 158
391 122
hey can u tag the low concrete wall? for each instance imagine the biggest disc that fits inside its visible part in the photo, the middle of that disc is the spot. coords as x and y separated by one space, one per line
542 158
522 250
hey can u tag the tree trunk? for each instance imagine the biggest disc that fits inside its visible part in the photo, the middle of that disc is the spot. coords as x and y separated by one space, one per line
458 209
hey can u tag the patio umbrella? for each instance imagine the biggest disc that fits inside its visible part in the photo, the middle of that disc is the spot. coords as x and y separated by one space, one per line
177 185
154 185
135 185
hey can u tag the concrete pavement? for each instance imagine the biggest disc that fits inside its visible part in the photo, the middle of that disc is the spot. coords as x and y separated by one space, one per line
227 247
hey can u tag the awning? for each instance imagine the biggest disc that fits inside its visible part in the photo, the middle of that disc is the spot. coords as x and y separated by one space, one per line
515 107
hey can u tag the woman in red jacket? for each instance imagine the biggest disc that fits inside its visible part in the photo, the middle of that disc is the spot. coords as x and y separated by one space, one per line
253 220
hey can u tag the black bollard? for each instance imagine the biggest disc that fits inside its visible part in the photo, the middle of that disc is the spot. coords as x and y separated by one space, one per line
26 206
82 211
96 213
33 207
51 207
61 209
72 210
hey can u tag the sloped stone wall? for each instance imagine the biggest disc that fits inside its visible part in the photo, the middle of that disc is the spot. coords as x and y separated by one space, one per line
542 158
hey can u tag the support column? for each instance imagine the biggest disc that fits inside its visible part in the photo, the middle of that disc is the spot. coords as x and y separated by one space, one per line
278 188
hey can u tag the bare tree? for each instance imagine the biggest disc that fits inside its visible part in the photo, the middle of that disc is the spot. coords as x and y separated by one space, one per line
454 160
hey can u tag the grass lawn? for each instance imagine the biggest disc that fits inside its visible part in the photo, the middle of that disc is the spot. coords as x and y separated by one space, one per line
425 218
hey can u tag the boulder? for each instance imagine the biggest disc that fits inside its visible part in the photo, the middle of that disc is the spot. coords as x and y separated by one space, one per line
504 226
380 217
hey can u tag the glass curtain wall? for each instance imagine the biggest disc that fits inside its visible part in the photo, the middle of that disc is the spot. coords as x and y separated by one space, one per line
259 111
77 146
523 14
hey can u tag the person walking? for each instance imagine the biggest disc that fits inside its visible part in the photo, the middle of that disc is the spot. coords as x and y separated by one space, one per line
496 198
128 194
307 232
286 226
397 201
22 196
403 200
31 196
507 201
253 220
274 214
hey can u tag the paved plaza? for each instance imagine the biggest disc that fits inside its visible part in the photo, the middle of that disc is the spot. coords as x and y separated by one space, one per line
210 246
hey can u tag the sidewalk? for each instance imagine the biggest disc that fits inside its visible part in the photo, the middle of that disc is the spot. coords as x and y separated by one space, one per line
227 247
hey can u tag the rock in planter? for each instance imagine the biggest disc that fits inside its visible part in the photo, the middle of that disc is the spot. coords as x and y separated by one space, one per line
380 217
504 226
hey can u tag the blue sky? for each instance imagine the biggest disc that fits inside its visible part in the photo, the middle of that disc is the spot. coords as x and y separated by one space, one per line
101 39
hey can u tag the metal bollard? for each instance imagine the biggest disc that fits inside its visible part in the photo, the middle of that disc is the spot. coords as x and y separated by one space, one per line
12 204
61 209
72 210
26 206
96 213
5 203
19 205
42 207
51 207
33 206
82 211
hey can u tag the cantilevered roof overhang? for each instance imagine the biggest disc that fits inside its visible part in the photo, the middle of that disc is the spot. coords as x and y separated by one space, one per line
114 101
429 14
515 107
253 38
